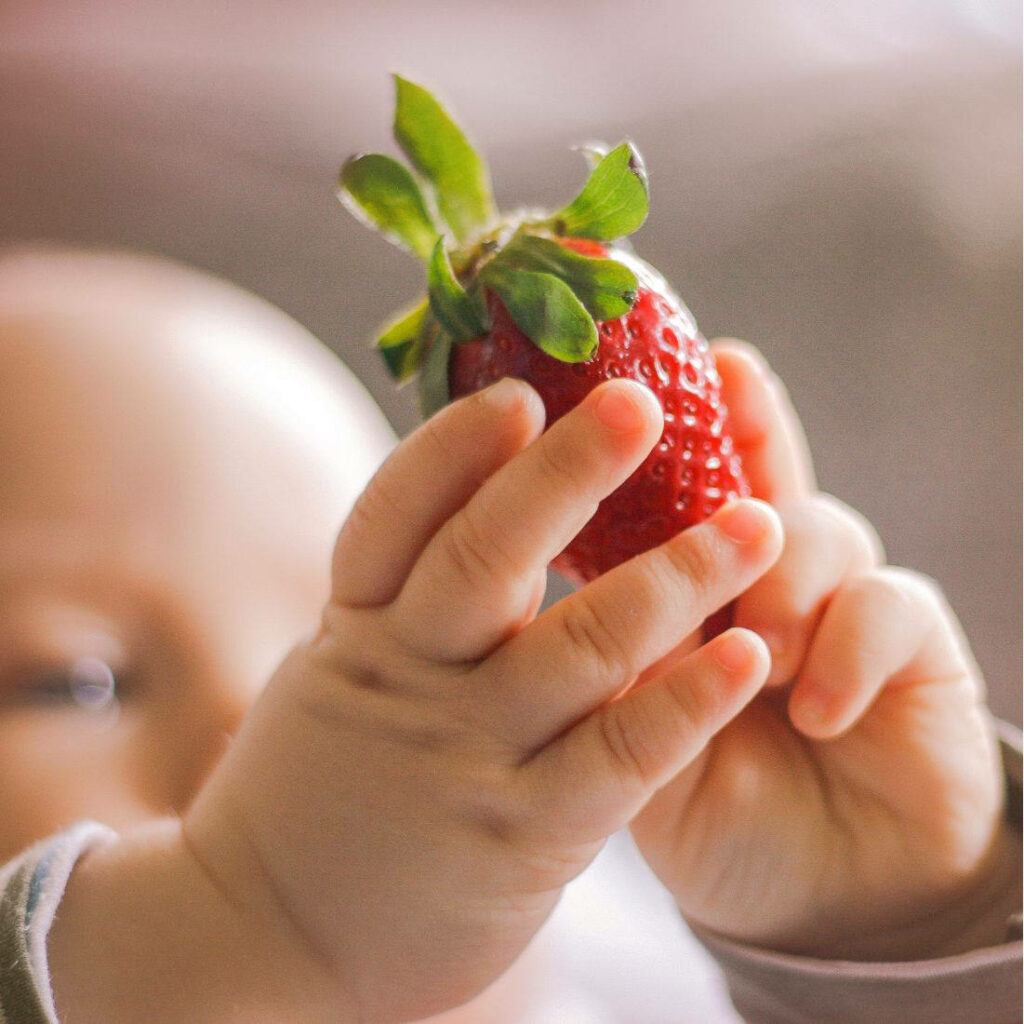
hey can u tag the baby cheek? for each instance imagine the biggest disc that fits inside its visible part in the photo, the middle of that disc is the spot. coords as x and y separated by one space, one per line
57 768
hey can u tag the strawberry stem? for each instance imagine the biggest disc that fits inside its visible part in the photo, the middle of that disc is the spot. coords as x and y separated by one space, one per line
545 310
383 194
454 309
613 202
438 148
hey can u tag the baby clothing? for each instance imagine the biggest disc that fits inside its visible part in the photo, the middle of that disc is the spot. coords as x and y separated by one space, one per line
31 888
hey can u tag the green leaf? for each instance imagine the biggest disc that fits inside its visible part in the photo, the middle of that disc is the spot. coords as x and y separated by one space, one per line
454 309
400 342
545 310
383 194
614 200
441 152
435 392
606 287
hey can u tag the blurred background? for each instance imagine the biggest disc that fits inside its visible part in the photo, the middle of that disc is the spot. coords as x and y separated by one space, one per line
838 182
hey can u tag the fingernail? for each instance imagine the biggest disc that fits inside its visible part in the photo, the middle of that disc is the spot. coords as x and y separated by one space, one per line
733 652
744 521
619 406
504 395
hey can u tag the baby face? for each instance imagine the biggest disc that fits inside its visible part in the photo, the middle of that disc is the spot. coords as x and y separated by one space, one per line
176 458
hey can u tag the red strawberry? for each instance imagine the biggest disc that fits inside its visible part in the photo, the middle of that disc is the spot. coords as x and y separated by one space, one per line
691 471
546 298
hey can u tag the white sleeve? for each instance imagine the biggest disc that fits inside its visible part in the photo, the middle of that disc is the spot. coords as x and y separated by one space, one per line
31 887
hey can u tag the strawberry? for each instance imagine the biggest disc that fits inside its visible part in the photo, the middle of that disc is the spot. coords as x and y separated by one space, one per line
557 300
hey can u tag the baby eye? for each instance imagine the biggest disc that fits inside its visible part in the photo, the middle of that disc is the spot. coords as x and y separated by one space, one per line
86 683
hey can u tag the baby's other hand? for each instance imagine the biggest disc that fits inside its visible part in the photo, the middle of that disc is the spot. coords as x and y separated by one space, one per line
854 809
421 779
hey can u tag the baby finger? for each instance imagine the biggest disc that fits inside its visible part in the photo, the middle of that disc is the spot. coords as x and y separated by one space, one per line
597 777
826 542
887 627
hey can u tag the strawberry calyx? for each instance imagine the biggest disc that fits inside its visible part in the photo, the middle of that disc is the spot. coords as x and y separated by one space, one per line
442 210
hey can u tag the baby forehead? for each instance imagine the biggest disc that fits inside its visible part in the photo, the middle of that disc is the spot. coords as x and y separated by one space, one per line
139 331
88 393
132 389
107 310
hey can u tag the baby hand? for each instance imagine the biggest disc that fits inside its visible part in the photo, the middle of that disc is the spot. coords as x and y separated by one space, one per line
854 809
420 780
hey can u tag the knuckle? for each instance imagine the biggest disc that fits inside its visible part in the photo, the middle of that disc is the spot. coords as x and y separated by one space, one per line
491 798
375 505
561 465
689 710
918 586
593 640
740 781
867 587
363 512
486 793
467 548
629 748
433 438
901 589
690 560
526 815
854 526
